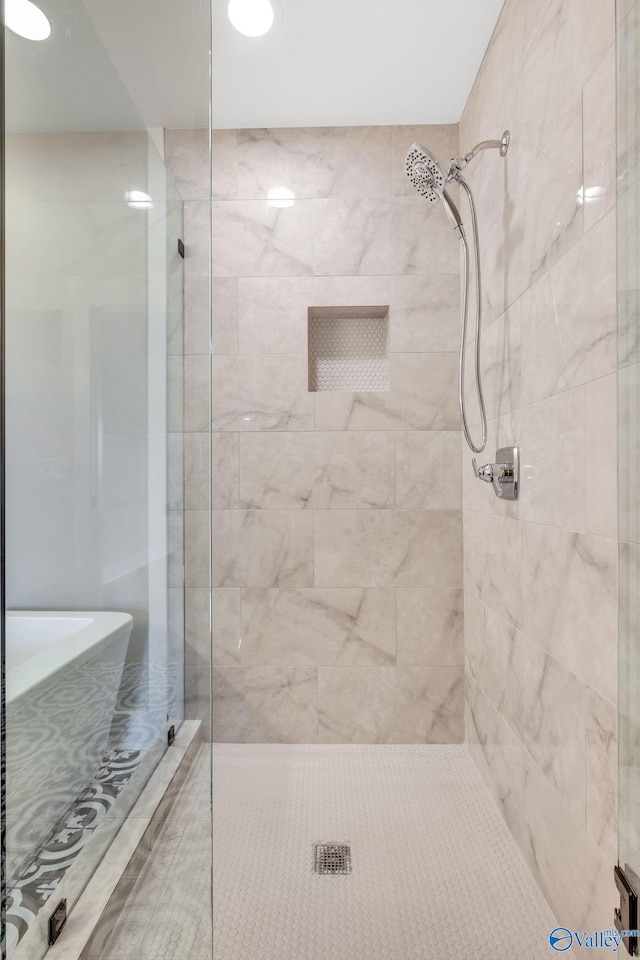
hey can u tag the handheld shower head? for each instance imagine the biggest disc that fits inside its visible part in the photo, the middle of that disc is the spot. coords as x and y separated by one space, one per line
429 179
425 173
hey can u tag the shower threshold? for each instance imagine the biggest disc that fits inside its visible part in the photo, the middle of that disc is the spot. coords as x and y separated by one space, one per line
100 905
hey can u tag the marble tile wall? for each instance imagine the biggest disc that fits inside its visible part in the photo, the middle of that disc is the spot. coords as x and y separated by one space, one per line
541 575
337 533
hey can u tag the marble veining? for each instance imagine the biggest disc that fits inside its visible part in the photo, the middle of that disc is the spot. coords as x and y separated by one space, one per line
602 773
627 132
430 627
422 396
543 499
501 359
318 626
377 548
550 720
274 311
315 161
186 153
317 471
628 294
225 471
424 313
265 705
497 752
570 603
261 393
569 329
571 869
495 577
383 705
569 42
262 548
549 217
253 239
424 475
599 136
628 396
394 236
602 456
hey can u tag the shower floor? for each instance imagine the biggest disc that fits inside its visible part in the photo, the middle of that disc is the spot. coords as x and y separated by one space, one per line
436 873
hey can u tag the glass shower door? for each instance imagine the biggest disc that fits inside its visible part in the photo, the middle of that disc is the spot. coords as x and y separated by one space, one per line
94 659
628 43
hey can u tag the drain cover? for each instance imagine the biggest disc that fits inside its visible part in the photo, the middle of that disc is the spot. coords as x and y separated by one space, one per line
332 858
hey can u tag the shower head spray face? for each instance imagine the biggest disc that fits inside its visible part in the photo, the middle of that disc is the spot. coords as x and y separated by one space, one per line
429 179
425 173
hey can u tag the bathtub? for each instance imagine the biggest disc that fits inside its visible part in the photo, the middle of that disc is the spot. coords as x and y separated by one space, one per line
63 671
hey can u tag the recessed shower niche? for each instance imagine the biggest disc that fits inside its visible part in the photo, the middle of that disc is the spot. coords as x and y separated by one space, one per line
348 349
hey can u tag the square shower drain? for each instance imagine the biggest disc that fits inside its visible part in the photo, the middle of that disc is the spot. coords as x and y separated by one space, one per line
332 858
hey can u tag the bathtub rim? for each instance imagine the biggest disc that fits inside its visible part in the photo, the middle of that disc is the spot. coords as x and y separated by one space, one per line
106 628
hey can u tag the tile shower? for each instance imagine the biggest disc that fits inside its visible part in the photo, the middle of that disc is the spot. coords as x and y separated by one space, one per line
381 653
338 603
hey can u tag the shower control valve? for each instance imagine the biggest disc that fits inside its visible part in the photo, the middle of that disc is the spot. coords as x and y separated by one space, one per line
504 474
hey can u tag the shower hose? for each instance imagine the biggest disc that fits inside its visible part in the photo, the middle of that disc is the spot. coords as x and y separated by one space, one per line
465 322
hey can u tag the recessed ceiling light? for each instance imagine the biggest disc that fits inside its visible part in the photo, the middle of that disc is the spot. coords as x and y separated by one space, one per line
281 197
27 20
139 200
253 18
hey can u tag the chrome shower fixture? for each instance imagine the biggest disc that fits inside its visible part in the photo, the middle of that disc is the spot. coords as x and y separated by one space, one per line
425 173
459 163
430 180
504 474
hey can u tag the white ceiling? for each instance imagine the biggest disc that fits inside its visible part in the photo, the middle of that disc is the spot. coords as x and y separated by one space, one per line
325 62
343 62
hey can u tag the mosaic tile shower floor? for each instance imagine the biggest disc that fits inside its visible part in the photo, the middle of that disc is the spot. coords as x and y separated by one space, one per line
436 874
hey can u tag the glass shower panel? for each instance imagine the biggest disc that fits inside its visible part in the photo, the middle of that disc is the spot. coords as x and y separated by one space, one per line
94 571
628 43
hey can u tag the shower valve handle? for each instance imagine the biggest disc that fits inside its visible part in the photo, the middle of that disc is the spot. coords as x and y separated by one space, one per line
495 473
483 473
504 474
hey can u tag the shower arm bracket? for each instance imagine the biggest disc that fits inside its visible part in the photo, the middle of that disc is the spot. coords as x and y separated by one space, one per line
459 163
